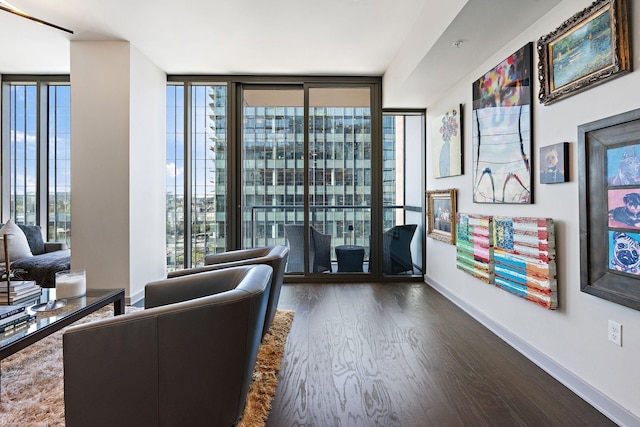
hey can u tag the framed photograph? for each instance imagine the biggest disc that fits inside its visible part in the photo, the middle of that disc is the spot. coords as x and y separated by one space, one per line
591 47
554 163
446 143
609 190
501 123
441 215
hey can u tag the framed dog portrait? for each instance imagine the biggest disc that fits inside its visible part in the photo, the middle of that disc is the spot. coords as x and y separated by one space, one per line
554 163
609 185
623 207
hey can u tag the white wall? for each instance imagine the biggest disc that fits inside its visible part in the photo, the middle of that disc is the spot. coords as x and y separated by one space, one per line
147 198
574 337
100 162
117 170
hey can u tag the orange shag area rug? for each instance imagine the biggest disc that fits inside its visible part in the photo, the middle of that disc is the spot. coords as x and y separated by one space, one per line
33 387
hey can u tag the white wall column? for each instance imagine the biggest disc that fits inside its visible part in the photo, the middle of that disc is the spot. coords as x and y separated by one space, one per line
117 166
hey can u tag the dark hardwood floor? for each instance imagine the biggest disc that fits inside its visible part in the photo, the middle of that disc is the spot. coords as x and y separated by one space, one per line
403 355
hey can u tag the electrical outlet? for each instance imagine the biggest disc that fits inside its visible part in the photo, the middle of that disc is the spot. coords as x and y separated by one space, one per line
615 332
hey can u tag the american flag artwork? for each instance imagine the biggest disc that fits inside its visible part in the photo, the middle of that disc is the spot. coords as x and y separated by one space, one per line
524 257
474 249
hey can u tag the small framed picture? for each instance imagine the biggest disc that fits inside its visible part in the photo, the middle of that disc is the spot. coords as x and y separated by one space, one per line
446 143
554 163
441 215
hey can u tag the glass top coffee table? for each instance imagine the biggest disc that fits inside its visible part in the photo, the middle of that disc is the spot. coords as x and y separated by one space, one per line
50 321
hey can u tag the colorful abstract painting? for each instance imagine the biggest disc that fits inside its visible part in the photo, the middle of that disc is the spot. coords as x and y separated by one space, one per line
525 258
501 123
474 251
446 143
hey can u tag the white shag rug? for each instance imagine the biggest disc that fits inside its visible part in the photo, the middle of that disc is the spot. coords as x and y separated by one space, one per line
32 382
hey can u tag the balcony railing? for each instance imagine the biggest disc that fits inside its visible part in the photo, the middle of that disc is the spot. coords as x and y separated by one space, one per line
267 223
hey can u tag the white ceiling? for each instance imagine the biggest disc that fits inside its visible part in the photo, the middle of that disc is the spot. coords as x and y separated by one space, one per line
408 38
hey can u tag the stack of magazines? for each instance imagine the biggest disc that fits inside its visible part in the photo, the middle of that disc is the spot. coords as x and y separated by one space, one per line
13 317
19 292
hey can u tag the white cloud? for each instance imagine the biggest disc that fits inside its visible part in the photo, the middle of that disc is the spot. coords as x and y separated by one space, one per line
173 171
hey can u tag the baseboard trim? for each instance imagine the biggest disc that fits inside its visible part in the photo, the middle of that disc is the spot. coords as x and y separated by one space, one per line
133 299
595 398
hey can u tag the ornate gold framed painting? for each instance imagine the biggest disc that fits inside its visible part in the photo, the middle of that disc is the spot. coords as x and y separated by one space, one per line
441 215
589 48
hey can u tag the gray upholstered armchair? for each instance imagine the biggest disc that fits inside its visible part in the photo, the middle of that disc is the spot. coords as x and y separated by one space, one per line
187 359
274 256
319 249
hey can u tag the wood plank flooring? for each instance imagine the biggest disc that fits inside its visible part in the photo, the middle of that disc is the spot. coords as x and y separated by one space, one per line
403 355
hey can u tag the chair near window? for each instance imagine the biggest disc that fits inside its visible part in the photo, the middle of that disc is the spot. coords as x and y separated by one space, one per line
273 256
396 249
319 249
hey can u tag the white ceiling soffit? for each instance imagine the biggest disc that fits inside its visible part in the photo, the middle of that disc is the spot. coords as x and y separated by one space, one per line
290 37
409 39
484 27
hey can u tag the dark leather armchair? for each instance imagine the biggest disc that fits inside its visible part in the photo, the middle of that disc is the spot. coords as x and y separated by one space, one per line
187 359
396 249
274 256
319 249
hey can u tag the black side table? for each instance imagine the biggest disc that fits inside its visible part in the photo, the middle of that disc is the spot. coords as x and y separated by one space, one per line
350 258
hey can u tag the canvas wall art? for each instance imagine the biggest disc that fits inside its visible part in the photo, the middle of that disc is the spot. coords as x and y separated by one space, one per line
525 258
501 122
624 252
623 165
623 206
474 250
446 143
554 163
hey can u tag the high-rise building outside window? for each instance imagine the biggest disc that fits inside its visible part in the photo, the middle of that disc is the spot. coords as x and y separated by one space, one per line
196 179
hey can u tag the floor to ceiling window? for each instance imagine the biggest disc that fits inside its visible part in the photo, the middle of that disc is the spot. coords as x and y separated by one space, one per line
337 162
196 172
249 161
36 148
403 142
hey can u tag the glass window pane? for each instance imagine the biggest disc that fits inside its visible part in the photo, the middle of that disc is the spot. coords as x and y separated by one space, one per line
206 166
59 222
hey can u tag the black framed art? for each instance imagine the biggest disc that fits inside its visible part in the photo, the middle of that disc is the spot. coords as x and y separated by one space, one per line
554 163
502 131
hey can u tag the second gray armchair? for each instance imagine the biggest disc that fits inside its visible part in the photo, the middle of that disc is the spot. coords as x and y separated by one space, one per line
319 249
273 256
